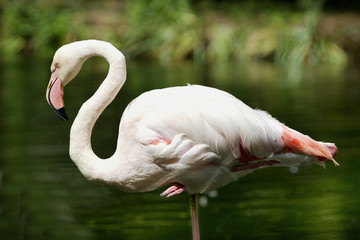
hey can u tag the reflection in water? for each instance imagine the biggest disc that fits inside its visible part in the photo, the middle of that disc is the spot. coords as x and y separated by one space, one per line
43 196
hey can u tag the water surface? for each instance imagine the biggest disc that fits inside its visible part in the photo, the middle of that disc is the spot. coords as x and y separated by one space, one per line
43 195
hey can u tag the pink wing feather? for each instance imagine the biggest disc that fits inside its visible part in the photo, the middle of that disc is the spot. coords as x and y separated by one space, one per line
300 143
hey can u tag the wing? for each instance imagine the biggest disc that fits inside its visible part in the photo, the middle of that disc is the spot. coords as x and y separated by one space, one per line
205 116
182 129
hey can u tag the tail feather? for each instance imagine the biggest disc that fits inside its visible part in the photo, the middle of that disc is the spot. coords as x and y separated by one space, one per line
298 142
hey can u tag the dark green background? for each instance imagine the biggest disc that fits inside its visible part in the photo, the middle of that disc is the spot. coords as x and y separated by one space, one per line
43 195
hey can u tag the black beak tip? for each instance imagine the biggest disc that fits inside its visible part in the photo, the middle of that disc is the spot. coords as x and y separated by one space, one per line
62 114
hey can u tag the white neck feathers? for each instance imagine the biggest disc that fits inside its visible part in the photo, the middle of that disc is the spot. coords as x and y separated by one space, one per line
90 165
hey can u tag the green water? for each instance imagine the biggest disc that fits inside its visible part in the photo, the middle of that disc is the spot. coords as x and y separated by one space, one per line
43 196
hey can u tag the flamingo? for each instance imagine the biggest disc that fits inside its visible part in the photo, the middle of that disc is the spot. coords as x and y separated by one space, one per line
192 138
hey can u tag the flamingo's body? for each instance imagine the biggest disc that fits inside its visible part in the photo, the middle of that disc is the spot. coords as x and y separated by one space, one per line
197 138
200 137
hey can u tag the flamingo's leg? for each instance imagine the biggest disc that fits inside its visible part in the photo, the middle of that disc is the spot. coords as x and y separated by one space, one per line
194 217
175 189
178 188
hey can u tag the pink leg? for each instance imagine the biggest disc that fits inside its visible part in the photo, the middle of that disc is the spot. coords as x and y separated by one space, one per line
175 189
194 217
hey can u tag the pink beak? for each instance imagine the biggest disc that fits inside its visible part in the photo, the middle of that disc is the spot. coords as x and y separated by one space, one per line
55 96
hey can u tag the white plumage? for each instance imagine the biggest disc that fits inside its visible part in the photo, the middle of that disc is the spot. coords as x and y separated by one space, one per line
198 138
205 127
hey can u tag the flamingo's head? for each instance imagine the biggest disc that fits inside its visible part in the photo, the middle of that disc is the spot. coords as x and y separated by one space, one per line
66 64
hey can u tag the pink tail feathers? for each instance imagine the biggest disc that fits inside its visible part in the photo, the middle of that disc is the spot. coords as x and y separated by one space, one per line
298 142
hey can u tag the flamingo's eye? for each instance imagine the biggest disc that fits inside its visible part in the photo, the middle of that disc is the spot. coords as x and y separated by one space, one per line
55 67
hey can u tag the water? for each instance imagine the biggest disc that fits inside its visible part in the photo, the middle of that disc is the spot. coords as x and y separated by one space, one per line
43 195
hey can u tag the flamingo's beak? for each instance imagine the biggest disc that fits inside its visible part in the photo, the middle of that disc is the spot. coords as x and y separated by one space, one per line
55 96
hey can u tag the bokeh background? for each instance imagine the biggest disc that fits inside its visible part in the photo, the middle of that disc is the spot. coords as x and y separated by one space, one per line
298 60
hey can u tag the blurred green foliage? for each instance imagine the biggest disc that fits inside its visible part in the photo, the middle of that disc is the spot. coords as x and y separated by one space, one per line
174 30
303 45
35 27
166 30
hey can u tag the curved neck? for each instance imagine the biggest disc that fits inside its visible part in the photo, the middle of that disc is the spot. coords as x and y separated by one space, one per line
90 165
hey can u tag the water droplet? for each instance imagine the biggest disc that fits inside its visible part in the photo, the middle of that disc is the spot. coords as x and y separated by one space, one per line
203 201
213 194
294 169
